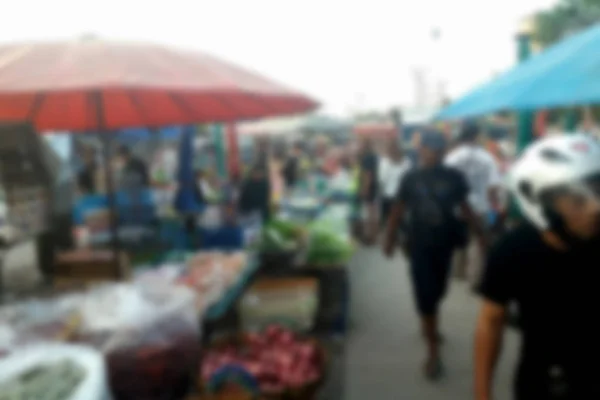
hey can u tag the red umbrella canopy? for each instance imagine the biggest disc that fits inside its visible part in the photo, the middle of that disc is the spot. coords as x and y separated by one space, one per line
96 85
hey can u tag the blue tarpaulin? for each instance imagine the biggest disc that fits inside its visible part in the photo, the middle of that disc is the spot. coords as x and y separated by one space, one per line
566 74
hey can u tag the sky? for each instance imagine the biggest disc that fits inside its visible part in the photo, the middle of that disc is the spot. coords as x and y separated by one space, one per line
348 54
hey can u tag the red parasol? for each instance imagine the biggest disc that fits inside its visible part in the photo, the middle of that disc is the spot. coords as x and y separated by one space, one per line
96 85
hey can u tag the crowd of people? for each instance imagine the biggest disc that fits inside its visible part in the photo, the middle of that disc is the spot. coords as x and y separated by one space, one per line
443 203
449 203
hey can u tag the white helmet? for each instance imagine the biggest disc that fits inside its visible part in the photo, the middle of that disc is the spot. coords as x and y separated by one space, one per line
552 163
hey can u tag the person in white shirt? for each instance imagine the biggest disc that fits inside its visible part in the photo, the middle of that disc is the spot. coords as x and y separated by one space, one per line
484 179
391 169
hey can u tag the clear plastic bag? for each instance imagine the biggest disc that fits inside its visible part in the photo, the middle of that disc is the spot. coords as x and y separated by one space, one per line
127 315
34 321
151 339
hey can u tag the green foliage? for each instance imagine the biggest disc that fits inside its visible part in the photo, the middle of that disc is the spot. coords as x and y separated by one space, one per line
567 17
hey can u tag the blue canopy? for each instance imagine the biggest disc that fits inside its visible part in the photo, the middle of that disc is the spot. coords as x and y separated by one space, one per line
566 74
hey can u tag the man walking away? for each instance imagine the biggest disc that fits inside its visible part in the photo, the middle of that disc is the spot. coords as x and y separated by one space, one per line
368 191
483 177
431 194
548 267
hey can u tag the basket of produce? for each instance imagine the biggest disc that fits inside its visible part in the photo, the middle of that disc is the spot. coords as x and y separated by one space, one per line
275 364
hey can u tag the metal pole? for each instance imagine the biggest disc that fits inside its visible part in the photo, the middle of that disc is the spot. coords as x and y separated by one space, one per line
220 150
571 120
525 118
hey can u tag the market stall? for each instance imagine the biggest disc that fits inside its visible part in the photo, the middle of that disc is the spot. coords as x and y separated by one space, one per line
147 328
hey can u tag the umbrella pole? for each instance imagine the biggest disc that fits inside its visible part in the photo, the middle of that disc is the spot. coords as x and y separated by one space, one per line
115 243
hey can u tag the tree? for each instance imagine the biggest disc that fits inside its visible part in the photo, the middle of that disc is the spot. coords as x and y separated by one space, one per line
567 17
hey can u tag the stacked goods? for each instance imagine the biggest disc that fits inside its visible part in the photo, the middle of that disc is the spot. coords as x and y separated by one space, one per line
276 359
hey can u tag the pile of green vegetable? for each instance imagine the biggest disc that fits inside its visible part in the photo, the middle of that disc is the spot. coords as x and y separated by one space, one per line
281 236
327 245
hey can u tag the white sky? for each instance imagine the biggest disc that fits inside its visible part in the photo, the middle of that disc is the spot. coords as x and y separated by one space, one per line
342 52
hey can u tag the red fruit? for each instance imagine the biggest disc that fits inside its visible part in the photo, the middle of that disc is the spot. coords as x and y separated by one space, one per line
307 351
254 368
285 360
295 380
269 372
273 332
286 338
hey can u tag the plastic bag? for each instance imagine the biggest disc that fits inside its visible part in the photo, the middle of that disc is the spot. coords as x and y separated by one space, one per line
150 339
127 315
34 321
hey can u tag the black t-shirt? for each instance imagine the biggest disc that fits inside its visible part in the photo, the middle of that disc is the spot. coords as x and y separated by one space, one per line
557 296
431 197
369 163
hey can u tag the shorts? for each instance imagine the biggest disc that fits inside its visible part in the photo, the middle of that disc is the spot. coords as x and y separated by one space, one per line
429 271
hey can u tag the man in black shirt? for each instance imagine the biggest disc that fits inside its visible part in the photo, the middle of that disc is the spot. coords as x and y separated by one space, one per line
432 194
547 267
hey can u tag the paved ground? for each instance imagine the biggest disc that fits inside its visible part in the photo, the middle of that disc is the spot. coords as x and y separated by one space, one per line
385 351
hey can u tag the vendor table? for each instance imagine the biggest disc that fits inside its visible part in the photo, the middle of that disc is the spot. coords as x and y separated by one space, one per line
331 321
